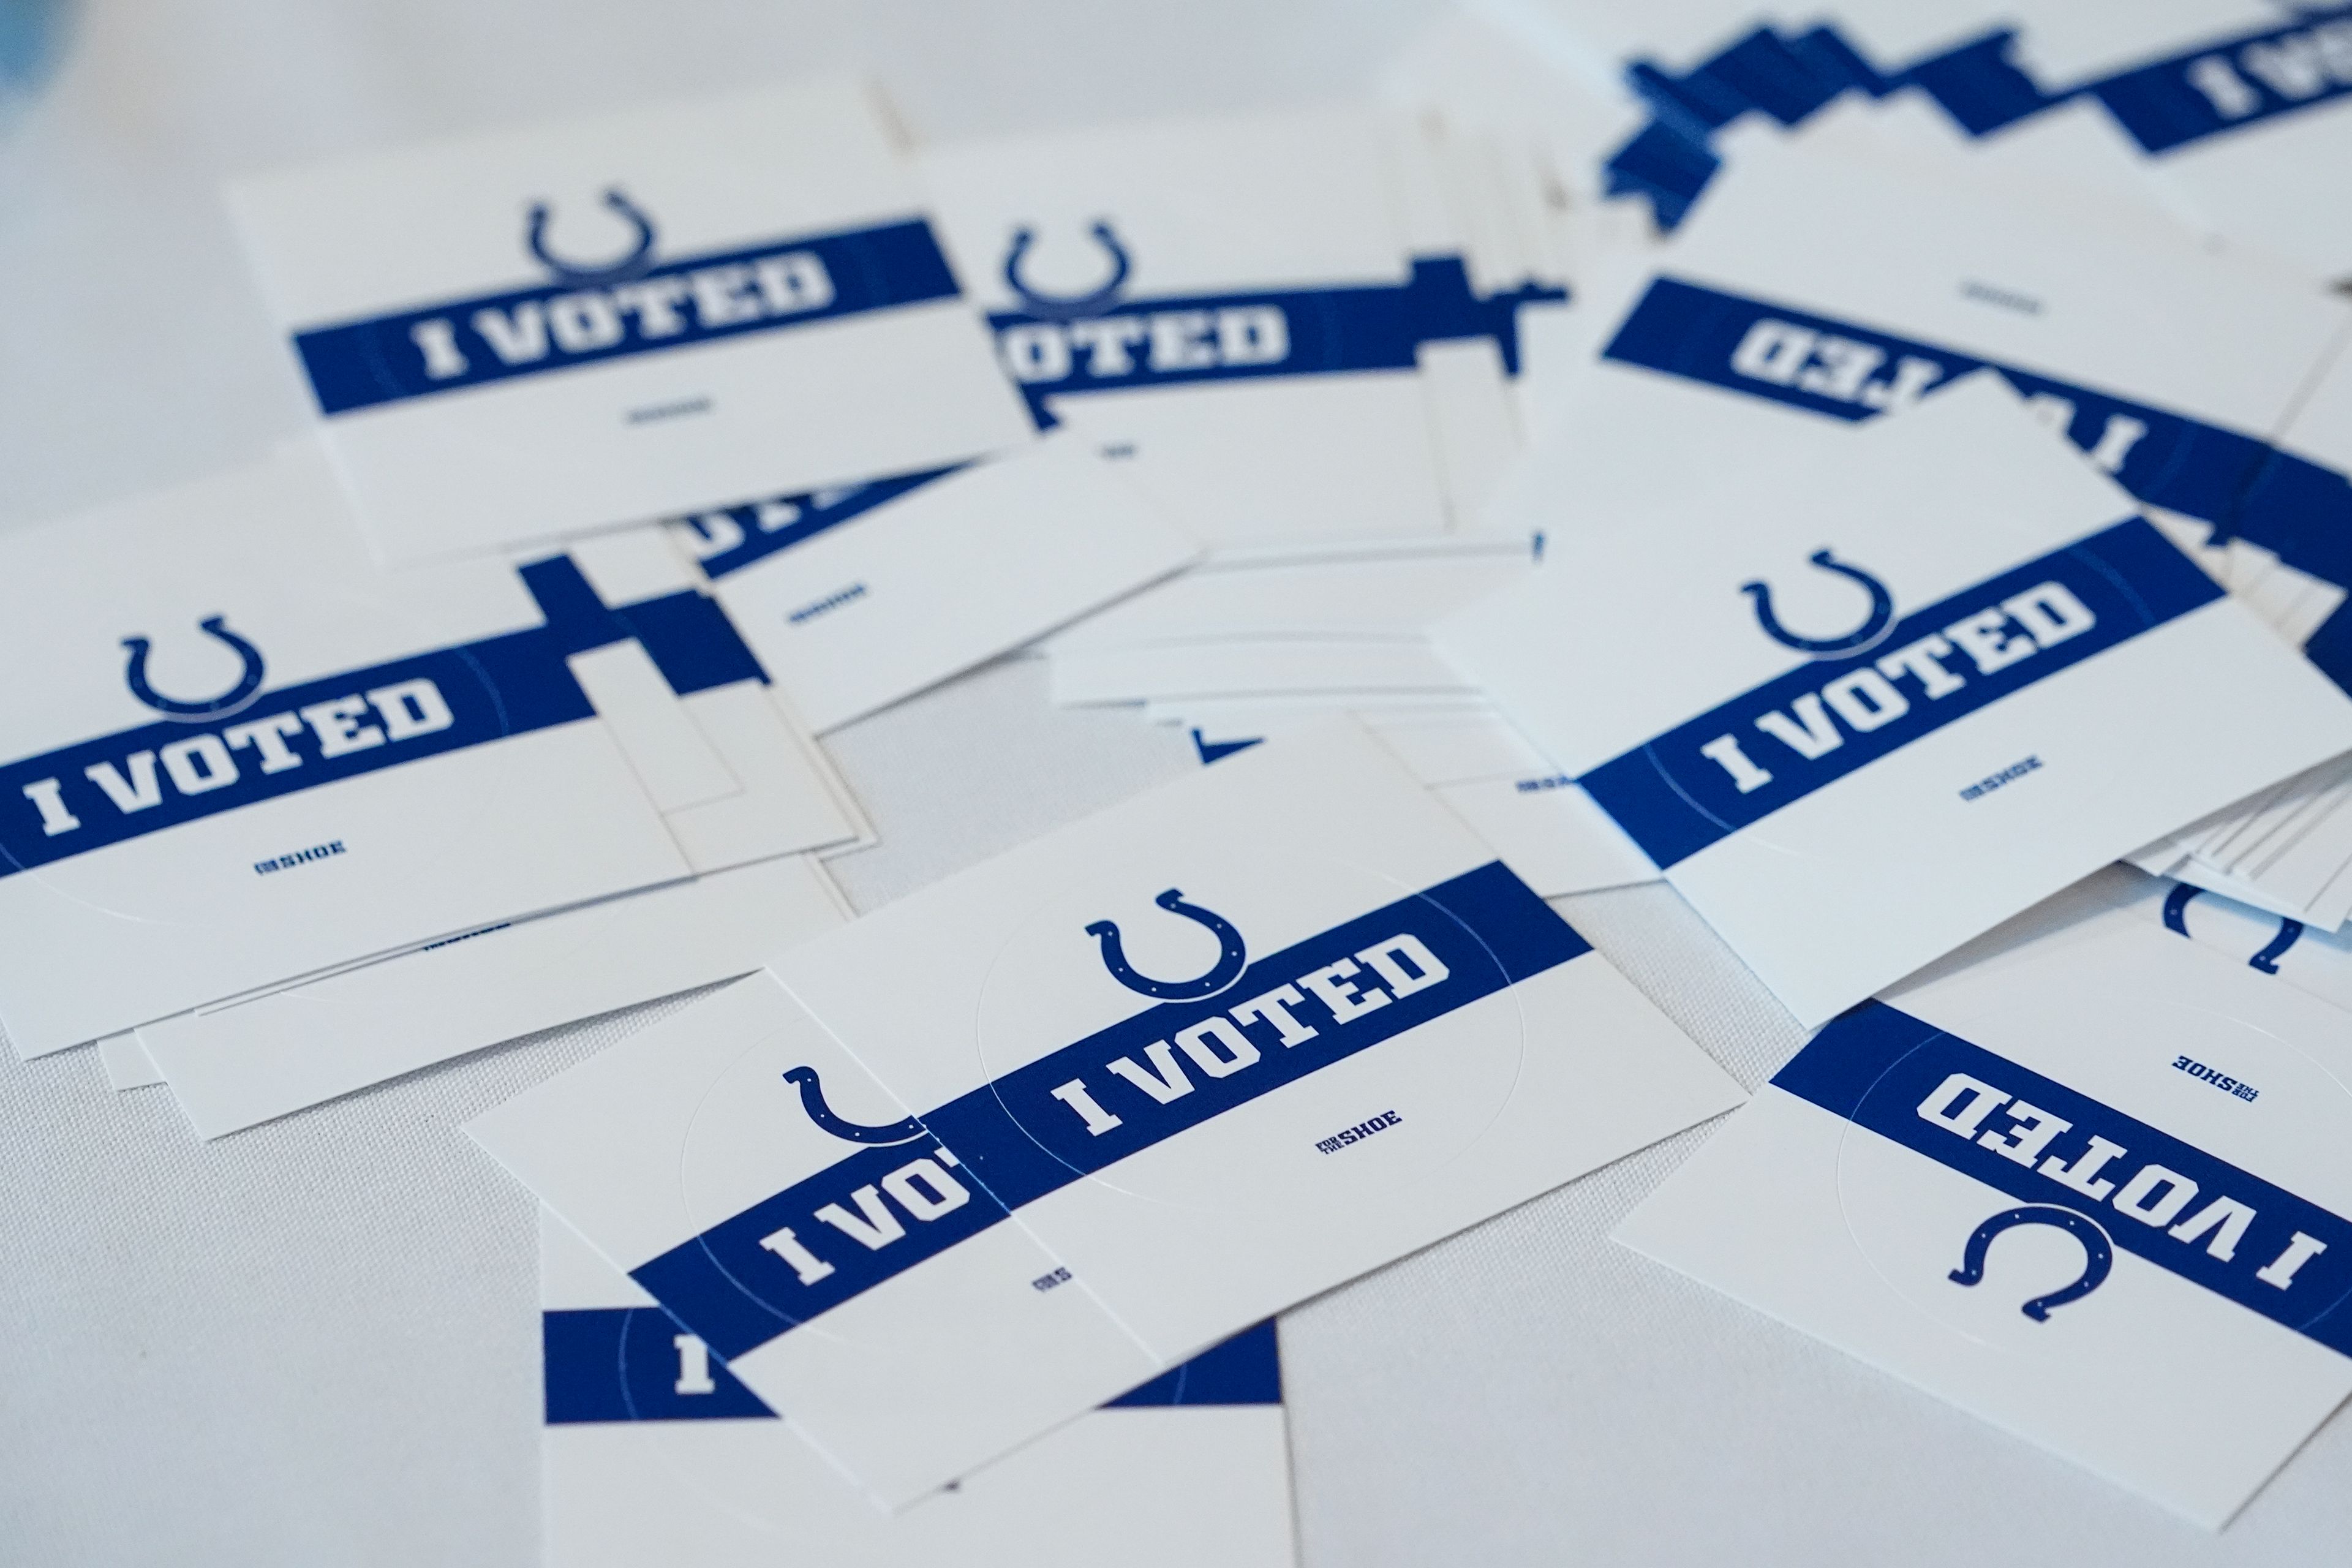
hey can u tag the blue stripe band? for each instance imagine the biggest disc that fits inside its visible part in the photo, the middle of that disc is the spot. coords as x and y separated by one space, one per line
2298 509
460 344
1181 340
1882 1068
1837 368
1674 799
2163 105
728 539
491 689
2246 81
608 1364
1020 1142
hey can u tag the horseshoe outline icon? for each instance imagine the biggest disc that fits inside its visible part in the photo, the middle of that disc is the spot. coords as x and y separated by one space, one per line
2290 931
1233 954
249 681
1067 307
902 1130
2098 1252
1873 625
637 260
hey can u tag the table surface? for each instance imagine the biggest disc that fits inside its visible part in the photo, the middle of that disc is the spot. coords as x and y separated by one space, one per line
316 1342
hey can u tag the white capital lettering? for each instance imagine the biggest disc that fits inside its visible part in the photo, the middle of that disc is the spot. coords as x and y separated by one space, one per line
1217 1048
412 707
1074 1095
2031 1131
199 764
1818 735
1774 351
1383 957
519 339
55 817
2116 442
693 1365
1912 377
1919 658
1985 638
1865 699
924 1189
722 296
1960 1104
2226 1217
1035 351
873 1227
1106 340
1179 340
655 302
2138 1197
337 725
2082 1176
807 1265
269 737
1252 334
1333 988
792 282
1725 749
1840 367
2049 613
583 323
1164 1082
142 790
1274 1008
2224 88
436 340
2281 1271
2290 66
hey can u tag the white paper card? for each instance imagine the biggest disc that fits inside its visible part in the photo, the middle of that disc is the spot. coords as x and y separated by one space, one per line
252 755
855 600
236 1066
1235 309
536 333
2087 1182
655 1454
1074 1172
1823 700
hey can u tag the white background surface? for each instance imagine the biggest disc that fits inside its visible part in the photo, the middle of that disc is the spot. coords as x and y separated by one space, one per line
317 1343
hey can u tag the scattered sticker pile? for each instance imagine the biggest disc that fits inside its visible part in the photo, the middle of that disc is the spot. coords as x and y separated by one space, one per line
1872 474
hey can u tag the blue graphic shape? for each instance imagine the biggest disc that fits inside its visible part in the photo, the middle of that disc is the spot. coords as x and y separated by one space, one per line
1873 625
1067 307
1217 751
248 680
639 257
812 1101
2266 961
1232 954
2098 1252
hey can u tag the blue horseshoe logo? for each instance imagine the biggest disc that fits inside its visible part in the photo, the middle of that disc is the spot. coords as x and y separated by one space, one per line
637 260
2098 1252
2267 960
1232 954
812 1101
1067 307
247 682
1872 627
2290 931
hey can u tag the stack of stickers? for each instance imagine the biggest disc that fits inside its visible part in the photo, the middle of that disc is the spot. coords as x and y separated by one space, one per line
1872 475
